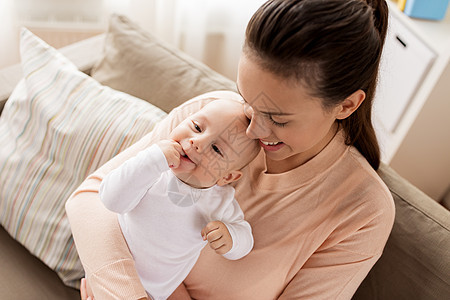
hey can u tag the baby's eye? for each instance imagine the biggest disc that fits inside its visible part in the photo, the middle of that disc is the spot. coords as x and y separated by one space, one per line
216 149
196 126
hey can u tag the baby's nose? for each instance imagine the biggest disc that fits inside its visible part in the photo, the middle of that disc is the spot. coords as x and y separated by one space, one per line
195 144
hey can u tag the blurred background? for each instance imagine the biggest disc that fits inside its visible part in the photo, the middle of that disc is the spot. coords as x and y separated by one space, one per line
209 30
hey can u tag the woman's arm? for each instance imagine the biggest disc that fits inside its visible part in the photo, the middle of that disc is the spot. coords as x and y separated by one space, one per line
102 249
100 244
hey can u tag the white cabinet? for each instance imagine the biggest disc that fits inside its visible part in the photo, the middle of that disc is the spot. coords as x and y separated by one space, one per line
412 104
405 63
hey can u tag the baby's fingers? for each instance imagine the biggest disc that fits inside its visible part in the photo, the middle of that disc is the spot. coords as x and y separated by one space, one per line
175 157
173 161
214 233
209 228
214 238
178 147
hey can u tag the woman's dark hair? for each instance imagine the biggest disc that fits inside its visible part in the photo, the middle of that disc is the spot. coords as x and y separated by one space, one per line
333 46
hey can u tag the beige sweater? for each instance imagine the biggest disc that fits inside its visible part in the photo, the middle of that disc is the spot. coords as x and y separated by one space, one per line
318 229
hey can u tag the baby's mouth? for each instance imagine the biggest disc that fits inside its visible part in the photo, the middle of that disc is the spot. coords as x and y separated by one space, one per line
186 157
187 160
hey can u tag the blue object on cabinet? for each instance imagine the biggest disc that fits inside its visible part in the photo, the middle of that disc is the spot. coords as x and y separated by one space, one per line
426 9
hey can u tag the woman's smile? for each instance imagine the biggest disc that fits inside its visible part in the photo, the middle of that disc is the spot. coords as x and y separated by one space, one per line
271 146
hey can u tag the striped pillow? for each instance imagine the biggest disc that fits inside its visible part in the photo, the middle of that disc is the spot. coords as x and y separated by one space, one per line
58 126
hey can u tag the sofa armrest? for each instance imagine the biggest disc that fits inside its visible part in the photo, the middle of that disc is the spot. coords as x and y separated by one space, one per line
83 54
416 260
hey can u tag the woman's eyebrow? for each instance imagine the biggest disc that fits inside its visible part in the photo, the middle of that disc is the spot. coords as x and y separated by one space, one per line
271 113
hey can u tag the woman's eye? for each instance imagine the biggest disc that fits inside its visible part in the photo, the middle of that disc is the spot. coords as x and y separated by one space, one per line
196 127
277 123
216 149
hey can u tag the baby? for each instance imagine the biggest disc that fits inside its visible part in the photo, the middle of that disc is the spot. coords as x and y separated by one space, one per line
173 198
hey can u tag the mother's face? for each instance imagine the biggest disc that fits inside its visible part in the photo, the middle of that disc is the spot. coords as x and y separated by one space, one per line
292 126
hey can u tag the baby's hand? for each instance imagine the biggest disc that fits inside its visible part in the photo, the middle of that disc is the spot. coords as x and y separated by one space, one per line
172 151
218 236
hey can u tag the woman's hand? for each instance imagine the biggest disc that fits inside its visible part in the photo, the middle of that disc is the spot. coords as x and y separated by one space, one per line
85 290
218 236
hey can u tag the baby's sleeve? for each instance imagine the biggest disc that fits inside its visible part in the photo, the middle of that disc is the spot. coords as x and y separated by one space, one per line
124 187
240 231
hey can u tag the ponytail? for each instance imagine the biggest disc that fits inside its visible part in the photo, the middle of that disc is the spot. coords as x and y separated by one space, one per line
380 13
358 126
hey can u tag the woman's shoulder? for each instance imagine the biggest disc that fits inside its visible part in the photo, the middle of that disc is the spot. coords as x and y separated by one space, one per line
367 184
363 205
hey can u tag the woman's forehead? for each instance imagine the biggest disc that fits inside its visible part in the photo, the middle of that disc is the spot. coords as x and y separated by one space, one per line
283 103
268 92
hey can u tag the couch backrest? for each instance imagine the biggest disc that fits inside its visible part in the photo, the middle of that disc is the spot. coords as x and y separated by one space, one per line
416 260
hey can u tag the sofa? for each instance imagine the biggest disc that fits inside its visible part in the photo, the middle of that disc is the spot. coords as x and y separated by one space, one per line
66 112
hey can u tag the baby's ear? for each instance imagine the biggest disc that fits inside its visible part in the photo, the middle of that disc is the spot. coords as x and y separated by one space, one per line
229 178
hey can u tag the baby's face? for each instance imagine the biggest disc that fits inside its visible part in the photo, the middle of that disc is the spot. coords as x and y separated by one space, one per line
214 142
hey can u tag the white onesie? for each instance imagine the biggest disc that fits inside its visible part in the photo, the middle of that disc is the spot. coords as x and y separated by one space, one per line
161 219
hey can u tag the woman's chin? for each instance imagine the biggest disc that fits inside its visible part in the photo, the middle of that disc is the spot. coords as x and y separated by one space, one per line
278 155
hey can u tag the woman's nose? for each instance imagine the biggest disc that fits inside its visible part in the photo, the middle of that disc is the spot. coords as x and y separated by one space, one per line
248 110
257 129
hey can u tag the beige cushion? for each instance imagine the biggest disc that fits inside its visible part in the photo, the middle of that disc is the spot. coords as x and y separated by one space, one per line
138 63
58 126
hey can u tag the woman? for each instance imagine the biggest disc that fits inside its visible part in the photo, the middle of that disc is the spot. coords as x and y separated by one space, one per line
320 214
